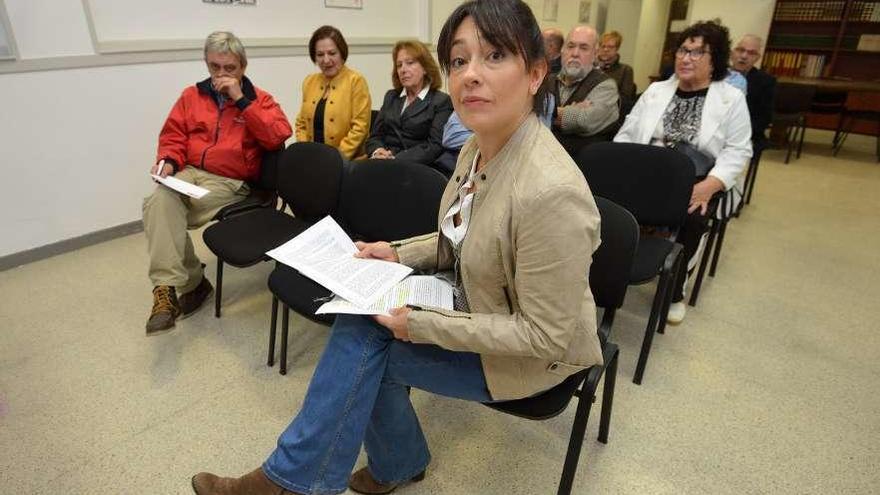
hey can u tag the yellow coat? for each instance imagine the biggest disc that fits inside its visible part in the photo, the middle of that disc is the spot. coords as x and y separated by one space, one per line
346 113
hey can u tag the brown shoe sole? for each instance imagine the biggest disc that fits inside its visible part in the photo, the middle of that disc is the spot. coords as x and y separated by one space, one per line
391 488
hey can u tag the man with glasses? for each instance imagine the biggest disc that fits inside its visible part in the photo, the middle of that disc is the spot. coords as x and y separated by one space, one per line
762 86
587 100
214 137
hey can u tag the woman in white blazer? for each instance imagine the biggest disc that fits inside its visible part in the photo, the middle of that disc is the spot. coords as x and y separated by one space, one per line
697 107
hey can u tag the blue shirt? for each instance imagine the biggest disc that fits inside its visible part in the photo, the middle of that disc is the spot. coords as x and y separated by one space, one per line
455 133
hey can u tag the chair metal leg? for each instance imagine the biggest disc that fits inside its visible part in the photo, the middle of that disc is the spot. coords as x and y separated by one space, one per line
803 125
608 396
750 186
218 291
663 289
270 361
720 241
704 261
789 141
285 317
576 440
667 301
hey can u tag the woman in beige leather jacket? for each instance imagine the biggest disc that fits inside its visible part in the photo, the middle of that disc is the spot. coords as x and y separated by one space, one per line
518 227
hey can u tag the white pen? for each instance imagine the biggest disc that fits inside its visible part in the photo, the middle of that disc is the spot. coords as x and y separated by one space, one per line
161 167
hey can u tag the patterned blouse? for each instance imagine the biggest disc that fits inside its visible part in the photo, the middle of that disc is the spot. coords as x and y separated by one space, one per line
682 118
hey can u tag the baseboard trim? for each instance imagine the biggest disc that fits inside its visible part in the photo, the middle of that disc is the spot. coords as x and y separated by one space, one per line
49 250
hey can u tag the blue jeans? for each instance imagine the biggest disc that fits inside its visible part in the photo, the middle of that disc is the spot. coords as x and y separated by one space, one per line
359 394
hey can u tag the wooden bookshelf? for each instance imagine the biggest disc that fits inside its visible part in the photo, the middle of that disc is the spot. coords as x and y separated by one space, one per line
830 44
825 39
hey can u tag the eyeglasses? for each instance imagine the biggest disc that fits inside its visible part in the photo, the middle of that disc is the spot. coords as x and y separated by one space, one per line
695 54
740 50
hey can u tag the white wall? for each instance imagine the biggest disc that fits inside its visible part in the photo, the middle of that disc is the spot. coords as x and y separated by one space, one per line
649 42
623 17
741 16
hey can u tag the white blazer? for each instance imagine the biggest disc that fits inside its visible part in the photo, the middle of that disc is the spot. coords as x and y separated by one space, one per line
725 128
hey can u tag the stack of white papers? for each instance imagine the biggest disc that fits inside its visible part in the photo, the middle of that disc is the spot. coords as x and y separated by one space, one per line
183 187
419 290
325 254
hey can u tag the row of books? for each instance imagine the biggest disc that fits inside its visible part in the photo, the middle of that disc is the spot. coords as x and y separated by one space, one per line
813 41
793 64
809 11
865 11
869 43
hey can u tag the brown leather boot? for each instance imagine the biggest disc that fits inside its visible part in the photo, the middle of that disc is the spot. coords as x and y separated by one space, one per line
253 483
165 310
362 482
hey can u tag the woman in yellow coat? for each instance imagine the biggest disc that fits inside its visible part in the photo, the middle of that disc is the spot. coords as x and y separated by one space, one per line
336 102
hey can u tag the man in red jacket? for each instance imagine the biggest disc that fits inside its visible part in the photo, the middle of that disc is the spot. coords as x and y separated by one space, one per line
214 137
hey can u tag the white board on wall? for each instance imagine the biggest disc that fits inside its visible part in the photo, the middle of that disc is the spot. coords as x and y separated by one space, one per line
141 25
7 46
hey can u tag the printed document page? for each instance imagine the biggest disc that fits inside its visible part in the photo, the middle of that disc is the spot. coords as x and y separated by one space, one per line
180 186
325 254
420 290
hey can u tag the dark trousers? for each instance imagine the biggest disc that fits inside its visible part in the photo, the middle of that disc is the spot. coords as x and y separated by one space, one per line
689 236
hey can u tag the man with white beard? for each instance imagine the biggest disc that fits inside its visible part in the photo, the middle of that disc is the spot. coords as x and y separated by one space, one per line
588 99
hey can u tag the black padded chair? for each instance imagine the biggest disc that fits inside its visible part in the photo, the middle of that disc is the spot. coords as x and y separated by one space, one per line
309 177
381 200
655 185
791 105
609 277
263 192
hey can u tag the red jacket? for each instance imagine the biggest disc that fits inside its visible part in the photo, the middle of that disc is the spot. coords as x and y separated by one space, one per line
227 141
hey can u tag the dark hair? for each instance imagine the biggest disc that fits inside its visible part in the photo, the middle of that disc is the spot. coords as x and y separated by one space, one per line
717 38
420 52
507 24
328 32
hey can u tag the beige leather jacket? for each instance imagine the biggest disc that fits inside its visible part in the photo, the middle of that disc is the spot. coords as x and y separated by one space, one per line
533 229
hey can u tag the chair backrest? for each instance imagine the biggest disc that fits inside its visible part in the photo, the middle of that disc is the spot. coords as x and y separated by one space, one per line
652 182
612 262
309 179
828 101
793 98
386 200
268 179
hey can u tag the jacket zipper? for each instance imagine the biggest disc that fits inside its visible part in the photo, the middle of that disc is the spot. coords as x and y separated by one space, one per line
216 136
429 310
507 298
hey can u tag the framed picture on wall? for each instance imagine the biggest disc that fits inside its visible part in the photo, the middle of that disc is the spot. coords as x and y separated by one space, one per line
344 4
551 10
584 11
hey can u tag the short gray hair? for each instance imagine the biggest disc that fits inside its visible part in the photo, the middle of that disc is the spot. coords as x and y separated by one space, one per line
225 42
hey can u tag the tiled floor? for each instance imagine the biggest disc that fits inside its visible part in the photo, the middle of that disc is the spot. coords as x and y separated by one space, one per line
771 385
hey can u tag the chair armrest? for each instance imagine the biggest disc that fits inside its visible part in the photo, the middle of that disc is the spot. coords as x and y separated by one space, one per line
258 198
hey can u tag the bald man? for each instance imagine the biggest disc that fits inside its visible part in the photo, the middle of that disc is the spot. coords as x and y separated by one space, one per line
553 40
761 85
587 99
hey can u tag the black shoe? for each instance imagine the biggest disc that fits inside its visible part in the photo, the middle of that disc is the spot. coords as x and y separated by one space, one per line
194 299
165 310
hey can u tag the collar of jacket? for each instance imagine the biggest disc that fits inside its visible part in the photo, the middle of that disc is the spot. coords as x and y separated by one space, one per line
502 162
606 66
343 72
247 88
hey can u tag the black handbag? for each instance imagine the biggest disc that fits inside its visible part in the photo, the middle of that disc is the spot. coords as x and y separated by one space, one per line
702 162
